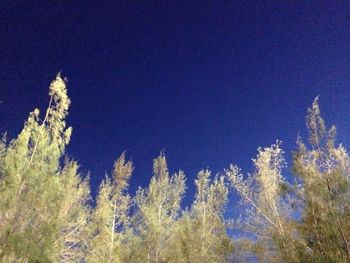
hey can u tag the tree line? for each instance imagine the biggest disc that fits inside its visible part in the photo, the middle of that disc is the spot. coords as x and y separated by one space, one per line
46 211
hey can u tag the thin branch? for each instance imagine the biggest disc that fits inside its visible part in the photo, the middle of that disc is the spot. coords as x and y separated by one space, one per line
260 211
344 238
42 125
36 143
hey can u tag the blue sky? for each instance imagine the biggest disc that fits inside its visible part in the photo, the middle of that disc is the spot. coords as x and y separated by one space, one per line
207 81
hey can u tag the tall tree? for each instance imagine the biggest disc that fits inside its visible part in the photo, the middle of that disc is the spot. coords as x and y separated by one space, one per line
110 219
32 186
268 215
74 215
324 170
200 234
209 241
158 208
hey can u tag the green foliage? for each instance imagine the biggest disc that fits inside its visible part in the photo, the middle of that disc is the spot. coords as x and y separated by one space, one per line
35 209
158 208
201 231
73 216
325 192
110 219
268 213
46 216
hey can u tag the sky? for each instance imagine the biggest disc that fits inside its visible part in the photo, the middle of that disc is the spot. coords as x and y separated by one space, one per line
206 81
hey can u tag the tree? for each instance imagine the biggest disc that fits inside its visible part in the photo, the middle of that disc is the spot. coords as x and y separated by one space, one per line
74 215
34 208
204 228
268 213
207 214
110 219
158 207
324 171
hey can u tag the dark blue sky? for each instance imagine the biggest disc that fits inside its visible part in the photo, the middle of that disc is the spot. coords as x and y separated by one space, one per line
208 82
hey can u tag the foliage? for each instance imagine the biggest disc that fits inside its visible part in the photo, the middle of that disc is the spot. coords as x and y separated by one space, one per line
110 219
41 203
158 208
201 232
268 214
46 214
325 191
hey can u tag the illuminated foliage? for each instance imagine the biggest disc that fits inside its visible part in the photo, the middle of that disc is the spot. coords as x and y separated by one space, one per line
46 213
268 217
202 231
110 219
325 192
40 202
158 208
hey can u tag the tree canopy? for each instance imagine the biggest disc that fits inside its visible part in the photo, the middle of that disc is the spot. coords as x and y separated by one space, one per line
47 213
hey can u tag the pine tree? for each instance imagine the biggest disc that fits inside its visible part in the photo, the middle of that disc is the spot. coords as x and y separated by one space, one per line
324 170
200 234
158 208
33 208
110 220
268 215
74 214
